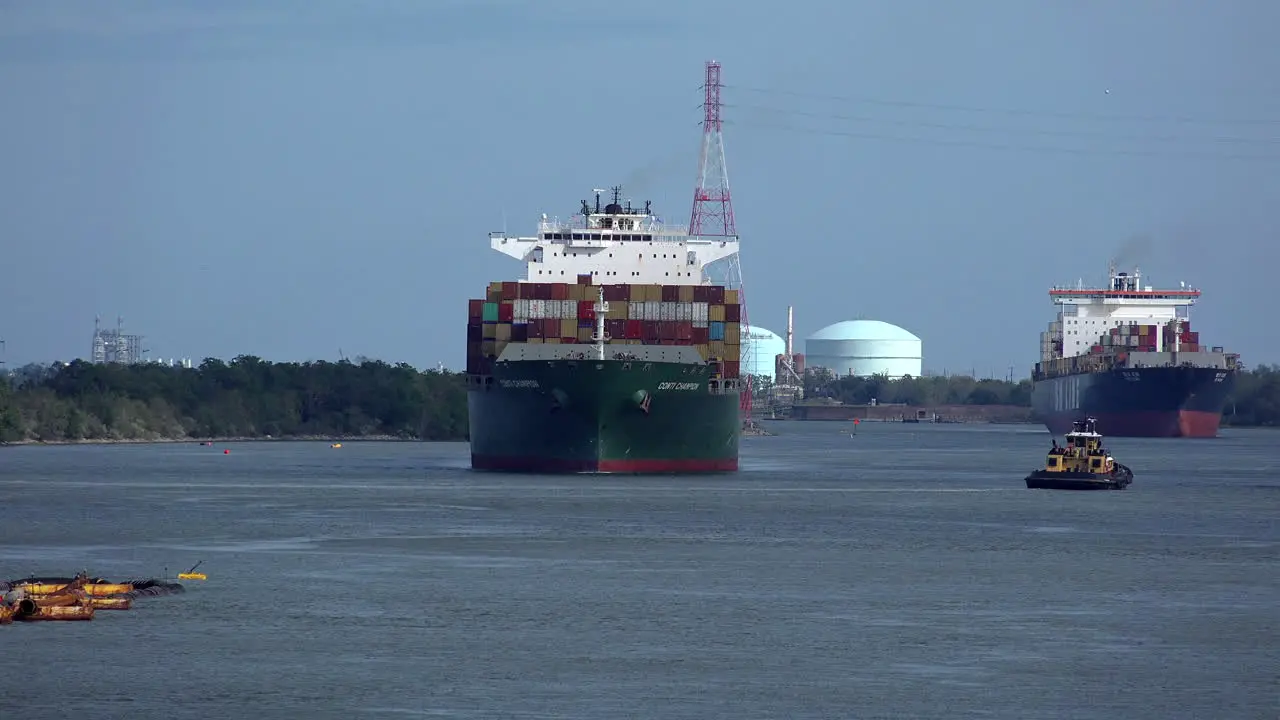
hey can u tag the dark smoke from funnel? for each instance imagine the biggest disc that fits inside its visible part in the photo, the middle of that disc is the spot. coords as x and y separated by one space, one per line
649 178
1132 252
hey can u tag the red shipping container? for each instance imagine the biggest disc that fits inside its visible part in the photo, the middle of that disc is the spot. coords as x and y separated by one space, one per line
510 291
1115 331
670 342
684 330
635 329
798 361
475 332
733 313
535 329
584 279
559 291
475 309
701 336
541 291
616 328
617 293
506 311
731 368
670 293
519 333
586 310
649 331
568 341
700 293
666 329
715 294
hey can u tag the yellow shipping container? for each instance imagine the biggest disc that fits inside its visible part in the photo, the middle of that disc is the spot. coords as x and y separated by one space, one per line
715 313
498 347
730 297
496 287
732 333
704 351
653 293
733 353
617 310
584 335
504 332
568 328
686 293
489 348
535 341
489 331
553 341
717 348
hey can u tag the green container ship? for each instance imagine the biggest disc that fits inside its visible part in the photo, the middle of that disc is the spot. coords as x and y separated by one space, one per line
615 354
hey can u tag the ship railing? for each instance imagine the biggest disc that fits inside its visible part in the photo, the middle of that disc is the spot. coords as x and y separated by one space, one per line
578 222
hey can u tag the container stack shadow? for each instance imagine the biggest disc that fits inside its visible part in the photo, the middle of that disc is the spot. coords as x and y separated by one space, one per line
79 598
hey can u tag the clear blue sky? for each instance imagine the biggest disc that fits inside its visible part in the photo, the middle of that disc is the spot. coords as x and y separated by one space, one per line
286 179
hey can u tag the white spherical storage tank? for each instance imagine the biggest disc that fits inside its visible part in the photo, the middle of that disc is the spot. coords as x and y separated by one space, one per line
759 349
864 348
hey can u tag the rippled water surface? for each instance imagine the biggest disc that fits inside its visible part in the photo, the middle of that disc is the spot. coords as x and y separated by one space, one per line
904 572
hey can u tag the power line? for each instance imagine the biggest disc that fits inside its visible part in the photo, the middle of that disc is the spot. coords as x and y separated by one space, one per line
1001 146
1011 130
1008 111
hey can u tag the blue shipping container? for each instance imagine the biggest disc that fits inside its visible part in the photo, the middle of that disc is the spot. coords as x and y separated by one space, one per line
717 330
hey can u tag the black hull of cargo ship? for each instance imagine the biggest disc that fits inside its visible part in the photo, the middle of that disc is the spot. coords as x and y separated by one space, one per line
602 416
1137 402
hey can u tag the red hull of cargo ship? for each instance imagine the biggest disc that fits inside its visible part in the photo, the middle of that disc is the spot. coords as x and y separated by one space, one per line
1172 423
647 466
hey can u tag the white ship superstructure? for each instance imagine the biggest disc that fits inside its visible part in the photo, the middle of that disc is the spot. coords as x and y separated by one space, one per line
615 244
1087 314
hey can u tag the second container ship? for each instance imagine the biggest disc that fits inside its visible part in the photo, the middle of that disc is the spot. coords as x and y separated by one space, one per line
1122 354
614 354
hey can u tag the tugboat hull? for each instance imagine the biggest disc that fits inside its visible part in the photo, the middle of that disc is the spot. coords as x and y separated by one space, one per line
1046 480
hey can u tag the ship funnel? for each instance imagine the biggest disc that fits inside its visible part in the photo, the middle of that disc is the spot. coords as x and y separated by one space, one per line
790 330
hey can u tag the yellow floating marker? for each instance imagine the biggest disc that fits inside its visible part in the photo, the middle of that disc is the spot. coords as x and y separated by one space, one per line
191 573
336 445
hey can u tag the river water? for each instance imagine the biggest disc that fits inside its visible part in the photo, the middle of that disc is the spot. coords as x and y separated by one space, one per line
903 572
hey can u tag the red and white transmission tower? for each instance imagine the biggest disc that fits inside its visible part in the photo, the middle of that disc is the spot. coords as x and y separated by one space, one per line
713 206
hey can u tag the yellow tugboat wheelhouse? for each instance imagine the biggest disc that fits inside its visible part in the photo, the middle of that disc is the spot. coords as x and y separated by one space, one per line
1083 464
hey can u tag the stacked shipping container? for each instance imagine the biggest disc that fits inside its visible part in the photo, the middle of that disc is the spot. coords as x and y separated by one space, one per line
1127 338
1189 342
707 317
1143 338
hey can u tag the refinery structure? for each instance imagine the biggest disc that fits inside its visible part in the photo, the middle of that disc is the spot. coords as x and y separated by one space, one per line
862 348
113 345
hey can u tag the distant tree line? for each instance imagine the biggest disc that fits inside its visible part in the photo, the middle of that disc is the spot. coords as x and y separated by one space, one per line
251 398
244 398
1254 402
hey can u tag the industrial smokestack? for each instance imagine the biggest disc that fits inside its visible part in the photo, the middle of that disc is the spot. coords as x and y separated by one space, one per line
790 331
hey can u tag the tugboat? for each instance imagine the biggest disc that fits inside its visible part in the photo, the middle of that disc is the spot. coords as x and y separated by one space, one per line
1084 464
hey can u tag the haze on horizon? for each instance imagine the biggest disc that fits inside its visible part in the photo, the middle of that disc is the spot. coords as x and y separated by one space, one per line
291 179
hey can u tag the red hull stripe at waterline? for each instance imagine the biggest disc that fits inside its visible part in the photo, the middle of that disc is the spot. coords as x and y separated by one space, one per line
559 465
1172 423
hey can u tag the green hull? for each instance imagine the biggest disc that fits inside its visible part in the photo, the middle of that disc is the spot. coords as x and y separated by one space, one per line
603 416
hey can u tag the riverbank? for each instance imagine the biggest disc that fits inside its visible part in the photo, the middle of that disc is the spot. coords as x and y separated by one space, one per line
222 440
